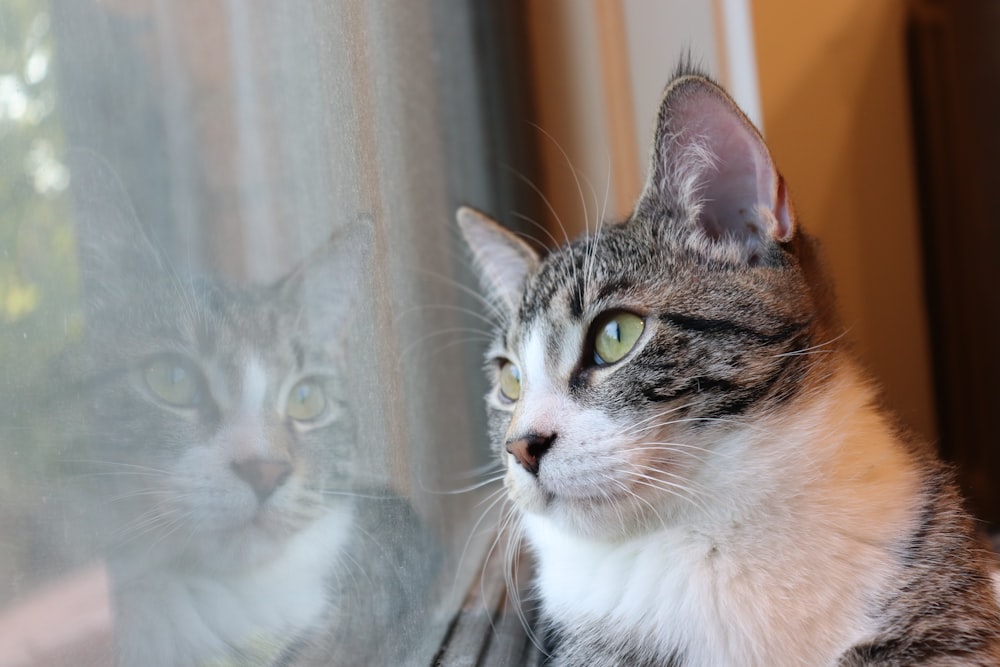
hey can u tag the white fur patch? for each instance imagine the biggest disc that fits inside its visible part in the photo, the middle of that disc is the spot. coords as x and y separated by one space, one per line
534 372
254 387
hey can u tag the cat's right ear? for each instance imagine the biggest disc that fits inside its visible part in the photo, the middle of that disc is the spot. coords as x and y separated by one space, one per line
504 261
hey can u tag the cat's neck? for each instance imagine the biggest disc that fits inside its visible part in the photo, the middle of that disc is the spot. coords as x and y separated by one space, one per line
194 616
830 455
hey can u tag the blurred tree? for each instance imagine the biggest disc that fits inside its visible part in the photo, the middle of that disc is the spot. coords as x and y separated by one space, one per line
38 277
39 309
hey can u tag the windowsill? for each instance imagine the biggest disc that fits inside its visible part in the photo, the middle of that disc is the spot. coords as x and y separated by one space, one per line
489 629
69 623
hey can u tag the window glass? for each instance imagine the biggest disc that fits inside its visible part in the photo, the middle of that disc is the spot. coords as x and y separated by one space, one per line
239 399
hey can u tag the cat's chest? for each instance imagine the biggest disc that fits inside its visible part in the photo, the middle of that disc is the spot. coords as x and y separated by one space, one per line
172 617
289 591
683 593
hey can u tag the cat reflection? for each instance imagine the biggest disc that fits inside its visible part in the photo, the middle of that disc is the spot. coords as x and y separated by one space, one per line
213 423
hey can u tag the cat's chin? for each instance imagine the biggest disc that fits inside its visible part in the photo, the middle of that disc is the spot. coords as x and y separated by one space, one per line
600 522
594 516
261 539
227 538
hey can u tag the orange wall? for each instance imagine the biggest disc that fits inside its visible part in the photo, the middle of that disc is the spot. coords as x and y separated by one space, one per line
836 116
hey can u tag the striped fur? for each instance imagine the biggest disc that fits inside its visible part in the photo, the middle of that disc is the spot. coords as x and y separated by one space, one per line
729 492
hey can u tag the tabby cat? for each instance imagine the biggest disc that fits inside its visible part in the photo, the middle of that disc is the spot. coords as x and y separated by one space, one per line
214 425
701 469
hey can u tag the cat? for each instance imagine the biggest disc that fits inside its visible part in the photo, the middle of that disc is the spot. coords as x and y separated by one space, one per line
702 471
215 426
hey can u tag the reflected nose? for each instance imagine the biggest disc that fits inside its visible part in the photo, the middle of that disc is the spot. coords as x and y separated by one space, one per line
264 476
529 450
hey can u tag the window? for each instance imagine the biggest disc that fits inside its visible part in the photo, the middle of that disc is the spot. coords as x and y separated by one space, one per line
240 399
239 403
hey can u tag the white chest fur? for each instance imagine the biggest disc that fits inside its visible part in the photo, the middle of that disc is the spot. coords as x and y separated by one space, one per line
680 593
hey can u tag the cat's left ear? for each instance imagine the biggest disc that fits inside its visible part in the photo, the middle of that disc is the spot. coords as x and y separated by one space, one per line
711 161
329 284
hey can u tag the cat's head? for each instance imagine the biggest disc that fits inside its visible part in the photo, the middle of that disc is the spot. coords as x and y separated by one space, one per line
213 422
625 358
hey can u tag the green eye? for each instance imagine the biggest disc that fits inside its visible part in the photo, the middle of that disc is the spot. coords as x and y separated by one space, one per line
510 380
174 381
616 335
306 401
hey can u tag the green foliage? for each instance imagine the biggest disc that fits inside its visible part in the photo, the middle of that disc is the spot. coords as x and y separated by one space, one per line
38 275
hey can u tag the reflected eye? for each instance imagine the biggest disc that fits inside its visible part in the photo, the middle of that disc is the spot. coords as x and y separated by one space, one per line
174 381
306 401
510 380
616 333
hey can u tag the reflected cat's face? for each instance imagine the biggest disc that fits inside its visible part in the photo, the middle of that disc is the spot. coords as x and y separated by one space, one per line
215 418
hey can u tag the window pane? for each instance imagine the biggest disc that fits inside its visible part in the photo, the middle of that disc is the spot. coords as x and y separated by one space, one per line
240 388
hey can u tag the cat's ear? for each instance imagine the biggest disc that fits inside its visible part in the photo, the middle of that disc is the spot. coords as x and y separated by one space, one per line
331 283
709 160
117 256
504 261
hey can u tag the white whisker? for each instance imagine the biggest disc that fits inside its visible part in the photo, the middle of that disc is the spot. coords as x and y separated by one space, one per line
465 489
548 204
814 349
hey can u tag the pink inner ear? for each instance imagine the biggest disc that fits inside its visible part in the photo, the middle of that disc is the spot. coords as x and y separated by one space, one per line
742 197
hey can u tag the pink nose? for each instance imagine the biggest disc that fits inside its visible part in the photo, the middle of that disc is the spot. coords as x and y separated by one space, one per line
264 476
529 450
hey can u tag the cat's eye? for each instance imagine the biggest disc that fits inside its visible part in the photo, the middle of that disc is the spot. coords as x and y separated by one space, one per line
174 381
615 334
510 380
306 401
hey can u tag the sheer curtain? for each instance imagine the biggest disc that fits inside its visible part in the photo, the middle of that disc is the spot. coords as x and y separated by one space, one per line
195 171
